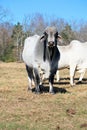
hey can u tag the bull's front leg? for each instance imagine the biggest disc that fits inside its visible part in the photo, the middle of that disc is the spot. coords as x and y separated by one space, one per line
72 74
51 81
51 78
57 76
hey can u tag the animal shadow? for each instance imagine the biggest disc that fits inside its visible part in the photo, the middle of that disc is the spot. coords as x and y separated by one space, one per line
64 81
45 89
84 81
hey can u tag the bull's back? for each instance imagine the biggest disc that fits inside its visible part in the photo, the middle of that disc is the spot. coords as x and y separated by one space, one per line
29 47
78 55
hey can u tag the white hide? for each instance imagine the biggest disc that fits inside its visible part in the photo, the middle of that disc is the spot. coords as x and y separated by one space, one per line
73 56
28 54
30 60
29 48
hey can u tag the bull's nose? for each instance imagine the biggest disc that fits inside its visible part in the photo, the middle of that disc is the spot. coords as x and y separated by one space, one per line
51 43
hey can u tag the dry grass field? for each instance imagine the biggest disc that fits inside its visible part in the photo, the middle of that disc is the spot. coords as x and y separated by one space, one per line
23 110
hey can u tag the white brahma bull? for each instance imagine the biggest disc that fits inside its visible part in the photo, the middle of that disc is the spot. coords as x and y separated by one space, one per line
73 56
42 51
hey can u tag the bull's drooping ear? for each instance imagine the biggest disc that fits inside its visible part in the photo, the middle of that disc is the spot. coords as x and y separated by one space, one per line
60 39
44 50
57 35
42 37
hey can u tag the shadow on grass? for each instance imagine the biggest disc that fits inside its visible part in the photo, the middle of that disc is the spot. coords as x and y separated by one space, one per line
61 82
45 89
56 90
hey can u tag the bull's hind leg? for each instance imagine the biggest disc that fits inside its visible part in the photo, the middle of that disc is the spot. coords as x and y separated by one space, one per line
30 84
82 75
72 74
36 80
30 77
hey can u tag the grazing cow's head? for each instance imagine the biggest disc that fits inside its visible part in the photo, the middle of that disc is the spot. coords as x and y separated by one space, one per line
50 38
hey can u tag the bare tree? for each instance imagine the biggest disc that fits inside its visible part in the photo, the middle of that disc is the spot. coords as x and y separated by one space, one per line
3 14
59 23
83 33
26 25
37 24
18 38
34 24
5 38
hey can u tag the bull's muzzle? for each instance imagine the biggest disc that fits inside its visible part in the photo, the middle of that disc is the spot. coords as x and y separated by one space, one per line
51 44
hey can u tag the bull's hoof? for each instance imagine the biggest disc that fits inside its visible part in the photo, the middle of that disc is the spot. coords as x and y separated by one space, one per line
73 85
52 92
79 82
37 91
29 89
41 88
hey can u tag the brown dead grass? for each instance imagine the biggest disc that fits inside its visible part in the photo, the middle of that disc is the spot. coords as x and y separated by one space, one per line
24 110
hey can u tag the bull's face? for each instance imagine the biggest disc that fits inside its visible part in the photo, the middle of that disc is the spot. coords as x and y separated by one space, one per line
50 38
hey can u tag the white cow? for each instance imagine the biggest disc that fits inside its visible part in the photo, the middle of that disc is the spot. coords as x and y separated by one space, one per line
82 73
73 56
42 51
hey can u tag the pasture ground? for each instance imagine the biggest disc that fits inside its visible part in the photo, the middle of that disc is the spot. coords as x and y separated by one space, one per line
23 110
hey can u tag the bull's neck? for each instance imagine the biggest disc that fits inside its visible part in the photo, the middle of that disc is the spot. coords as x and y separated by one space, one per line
51 52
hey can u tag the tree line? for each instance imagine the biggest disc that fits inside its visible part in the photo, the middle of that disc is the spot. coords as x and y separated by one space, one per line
12 36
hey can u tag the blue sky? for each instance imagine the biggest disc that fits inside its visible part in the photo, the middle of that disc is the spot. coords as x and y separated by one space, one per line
67 9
